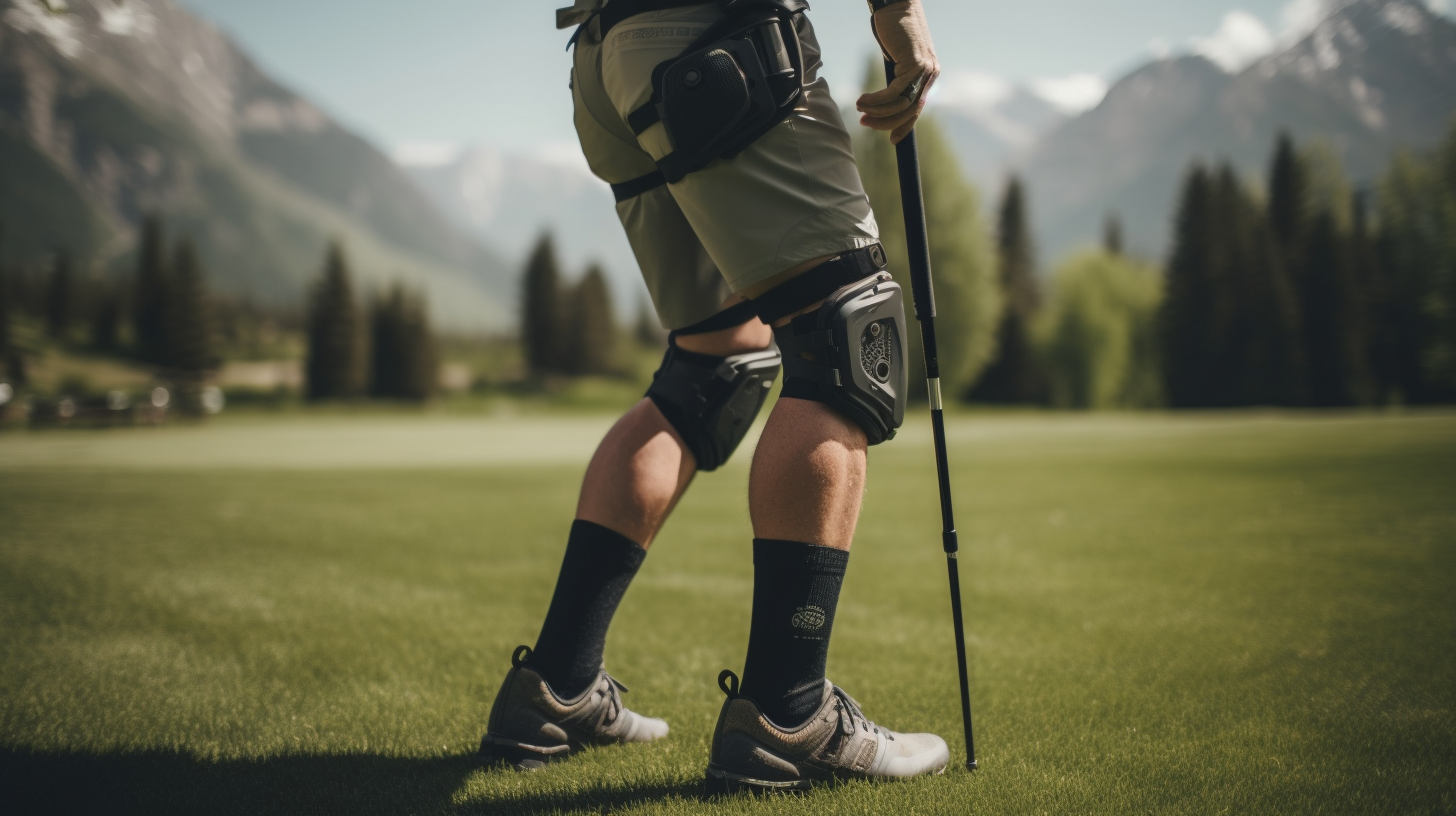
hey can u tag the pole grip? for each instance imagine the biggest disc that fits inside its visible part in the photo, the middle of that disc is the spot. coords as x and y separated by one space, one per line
917 240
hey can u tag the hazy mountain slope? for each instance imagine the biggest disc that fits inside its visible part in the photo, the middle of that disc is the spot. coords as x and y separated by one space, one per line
991 138
40 209
1374 76
140 107
508 200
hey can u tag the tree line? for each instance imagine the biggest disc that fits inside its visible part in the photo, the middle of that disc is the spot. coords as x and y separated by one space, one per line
1301 292
569 330
384 349
162 315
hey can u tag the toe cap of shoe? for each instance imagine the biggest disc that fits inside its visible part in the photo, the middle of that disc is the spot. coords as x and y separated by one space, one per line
914 754
645 729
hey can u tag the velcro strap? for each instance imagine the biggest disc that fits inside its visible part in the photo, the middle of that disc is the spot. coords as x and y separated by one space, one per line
818 283
813 341
801 369
631 189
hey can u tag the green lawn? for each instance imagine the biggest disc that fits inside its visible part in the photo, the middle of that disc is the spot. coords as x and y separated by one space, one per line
1204 614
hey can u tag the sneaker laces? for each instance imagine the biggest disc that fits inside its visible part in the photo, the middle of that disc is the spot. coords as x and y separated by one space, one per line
611 707
851 715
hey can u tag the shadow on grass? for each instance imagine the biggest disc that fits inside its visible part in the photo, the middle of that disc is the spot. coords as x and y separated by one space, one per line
161 783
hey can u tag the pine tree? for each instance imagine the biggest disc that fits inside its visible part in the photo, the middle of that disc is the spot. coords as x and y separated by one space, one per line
1112 235
591 331
334 366
1288 195
1333 320
1188 317
1014 375
152 298
7 353
190 331
60 299
106 312
1370 279
1258 343
541 310
403 360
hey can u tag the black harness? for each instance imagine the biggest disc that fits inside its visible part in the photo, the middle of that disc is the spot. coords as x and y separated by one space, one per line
730 86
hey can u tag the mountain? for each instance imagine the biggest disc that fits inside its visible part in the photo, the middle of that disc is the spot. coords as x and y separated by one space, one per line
1372 77
509 199
992 135
112 109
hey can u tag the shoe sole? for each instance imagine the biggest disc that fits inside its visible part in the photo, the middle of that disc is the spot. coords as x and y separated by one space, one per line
726 783
519 755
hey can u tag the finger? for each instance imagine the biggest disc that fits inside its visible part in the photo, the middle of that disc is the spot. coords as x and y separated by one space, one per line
892 96
882 103
898 134
899 105
890 122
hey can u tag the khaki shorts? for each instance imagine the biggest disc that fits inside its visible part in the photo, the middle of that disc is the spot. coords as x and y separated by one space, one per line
792 196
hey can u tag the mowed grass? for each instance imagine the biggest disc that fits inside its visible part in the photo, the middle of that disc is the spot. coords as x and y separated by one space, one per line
1201 615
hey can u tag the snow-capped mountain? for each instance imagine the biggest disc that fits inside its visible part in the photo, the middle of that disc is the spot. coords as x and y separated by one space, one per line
1372 77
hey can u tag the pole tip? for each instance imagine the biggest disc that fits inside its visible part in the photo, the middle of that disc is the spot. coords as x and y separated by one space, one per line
971 765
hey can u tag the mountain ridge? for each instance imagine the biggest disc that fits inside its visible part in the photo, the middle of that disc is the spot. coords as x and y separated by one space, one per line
258 176
1372 77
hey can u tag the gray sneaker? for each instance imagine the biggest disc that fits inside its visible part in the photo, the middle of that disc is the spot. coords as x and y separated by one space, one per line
530 726
838 742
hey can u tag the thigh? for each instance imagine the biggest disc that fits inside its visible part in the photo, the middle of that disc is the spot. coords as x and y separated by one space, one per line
792 196
685 284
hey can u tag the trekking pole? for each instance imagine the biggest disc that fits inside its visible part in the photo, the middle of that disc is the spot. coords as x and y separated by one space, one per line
917 243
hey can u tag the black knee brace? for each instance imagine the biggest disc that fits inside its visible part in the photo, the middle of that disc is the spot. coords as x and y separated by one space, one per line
850 352
712 401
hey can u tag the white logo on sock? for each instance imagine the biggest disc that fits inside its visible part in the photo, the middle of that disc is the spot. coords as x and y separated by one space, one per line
809 617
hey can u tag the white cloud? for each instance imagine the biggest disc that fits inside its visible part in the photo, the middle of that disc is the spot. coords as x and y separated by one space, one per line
1300 17
1439 6
1071 94
1160 48
1241 38
426 153
970 89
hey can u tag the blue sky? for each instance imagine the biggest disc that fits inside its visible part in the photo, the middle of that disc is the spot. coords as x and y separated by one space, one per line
425 76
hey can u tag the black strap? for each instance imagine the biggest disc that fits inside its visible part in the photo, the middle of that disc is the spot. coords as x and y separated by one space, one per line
800 369
618 10
644 117
820 282
631 189
735 315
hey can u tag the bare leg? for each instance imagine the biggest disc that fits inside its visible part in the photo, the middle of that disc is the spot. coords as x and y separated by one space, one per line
642 467
808 476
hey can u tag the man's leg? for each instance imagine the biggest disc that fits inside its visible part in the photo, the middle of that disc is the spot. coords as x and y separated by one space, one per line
636 477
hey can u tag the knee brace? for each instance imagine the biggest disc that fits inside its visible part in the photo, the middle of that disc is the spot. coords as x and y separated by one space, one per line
712 401
850 352
850 355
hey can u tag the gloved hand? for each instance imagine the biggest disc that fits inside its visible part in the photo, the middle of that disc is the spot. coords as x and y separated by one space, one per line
904 37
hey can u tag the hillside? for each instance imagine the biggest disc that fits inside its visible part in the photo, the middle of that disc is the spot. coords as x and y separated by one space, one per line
110 110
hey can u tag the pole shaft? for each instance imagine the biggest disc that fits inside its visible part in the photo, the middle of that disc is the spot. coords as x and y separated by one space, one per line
922 288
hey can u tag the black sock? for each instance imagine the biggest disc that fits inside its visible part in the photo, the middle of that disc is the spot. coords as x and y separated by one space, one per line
795 592
595 573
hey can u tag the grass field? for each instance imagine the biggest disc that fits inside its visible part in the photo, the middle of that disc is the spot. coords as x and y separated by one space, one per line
1192 615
